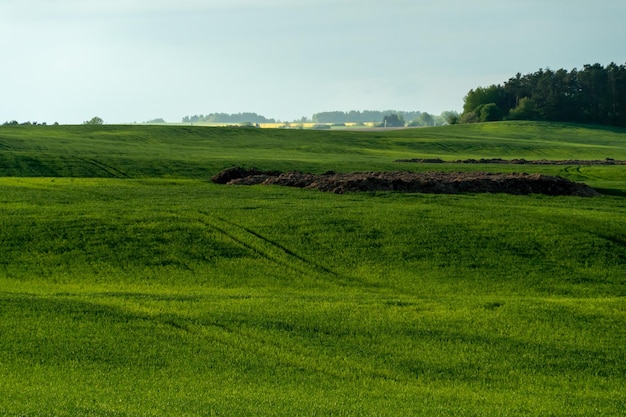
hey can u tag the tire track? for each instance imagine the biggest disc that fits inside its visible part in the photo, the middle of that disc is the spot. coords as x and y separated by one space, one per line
268 249
282 248
575 173
109 169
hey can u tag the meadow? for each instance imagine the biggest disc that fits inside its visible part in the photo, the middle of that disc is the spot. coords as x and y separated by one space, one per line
130 285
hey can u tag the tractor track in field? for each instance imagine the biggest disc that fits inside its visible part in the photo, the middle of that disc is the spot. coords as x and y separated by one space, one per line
572 169
282 248
266 248
109 169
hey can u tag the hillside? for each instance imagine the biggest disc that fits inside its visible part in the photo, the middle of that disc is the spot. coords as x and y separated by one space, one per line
131 285
195 152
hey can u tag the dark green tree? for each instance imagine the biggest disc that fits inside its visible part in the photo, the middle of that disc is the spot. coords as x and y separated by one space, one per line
94 121
480 96
450 117
525 110
425 119
490 112
616 93
594 94
393 120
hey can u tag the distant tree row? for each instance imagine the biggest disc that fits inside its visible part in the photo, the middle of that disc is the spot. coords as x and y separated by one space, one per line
93 121
389 118
337 118
592 95
228 118
158 120
355 116
16 123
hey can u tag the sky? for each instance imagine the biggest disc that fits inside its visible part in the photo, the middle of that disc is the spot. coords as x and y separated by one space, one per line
129 61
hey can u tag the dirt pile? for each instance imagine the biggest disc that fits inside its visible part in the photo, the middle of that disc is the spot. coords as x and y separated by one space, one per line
429 182
237 173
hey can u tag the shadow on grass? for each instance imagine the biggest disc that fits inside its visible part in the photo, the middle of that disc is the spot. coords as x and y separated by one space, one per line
611 191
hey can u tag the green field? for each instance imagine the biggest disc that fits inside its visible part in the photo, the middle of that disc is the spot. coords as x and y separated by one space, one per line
130 285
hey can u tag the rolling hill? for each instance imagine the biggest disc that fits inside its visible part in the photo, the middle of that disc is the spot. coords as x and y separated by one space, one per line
131 285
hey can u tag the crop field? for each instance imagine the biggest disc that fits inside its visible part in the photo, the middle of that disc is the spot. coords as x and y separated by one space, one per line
131 285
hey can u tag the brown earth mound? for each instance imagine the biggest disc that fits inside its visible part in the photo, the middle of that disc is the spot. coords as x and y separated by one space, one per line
237 172
430 182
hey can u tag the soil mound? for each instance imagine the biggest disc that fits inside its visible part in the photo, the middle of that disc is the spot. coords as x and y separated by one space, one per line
429 182
237 173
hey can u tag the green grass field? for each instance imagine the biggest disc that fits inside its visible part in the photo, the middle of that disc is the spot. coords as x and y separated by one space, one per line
130 285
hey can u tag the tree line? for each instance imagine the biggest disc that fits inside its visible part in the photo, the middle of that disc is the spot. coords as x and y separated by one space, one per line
591 95
228 118
332 117
27 123
387 118
355 116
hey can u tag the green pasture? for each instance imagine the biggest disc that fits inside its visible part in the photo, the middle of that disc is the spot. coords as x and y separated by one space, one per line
130 285
195 152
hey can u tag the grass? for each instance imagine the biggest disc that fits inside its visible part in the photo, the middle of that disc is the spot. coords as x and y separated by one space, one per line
164 294
194 152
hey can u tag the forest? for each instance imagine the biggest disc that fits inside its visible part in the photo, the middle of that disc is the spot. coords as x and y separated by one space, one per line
593 95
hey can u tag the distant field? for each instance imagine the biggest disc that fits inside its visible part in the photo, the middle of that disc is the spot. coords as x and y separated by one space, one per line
194 152
132 286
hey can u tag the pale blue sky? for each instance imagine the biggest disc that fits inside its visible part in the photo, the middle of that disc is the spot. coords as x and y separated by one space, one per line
135 60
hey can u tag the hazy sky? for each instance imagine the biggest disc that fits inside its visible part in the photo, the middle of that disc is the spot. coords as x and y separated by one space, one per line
136 60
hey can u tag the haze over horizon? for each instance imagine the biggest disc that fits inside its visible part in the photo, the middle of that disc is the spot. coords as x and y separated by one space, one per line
136 60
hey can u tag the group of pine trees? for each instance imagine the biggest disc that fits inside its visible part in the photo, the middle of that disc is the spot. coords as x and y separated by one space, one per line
592 95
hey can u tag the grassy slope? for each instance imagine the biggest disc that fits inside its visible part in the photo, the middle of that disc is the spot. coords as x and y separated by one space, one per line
160 296
188 152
